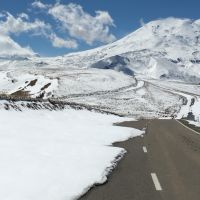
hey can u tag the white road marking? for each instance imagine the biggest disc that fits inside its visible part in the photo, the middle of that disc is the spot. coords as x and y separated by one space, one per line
187 127
144 149
156 182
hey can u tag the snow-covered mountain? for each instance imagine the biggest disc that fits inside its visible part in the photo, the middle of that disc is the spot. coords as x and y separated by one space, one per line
153 71
175 42
172 42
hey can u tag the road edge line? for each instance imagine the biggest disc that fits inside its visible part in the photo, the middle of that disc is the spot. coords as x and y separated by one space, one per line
187 127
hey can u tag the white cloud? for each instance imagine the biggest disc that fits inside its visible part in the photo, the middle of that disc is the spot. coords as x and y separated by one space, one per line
39 4
23 16
74 21
104 18
11 25
81 25
21 24
60 43
10 48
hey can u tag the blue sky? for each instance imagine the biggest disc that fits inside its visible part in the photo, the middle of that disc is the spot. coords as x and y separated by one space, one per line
116 19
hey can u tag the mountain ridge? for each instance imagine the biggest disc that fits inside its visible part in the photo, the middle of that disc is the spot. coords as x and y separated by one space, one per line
175 40
126 77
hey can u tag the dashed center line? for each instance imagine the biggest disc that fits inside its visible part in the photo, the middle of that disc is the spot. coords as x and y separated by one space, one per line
144 149
156 182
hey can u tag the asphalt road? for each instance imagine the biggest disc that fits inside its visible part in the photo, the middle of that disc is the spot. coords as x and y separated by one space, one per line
162 165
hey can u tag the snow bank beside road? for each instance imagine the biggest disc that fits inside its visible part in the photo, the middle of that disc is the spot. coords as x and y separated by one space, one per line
194 123
56 155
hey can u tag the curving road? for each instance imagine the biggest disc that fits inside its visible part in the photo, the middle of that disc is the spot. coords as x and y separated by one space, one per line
162 165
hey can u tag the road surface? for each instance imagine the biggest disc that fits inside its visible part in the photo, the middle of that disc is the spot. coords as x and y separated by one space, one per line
162 165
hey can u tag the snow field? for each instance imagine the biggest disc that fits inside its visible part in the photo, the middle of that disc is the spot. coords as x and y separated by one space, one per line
47 155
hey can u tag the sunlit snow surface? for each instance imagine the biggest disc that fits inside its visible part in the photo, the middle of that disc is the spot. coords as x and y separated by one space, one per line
108 90
47 155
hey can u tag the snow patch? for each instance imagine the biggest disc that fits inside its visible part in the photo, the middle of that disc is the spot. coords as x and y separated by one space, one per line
56 155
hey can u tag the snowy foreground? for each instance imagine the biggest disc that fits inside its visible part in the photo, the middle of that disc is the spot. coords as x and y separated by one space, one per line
48 155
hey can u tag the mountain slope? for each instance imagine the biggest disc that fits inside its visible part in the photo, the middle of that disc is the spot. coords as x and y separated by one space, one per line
153 72
174 40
